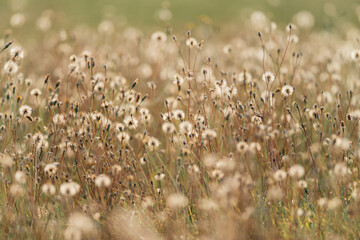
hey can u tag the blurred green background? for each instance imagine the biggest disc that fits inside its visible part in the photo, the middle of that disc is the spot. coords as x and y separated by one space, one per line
142 13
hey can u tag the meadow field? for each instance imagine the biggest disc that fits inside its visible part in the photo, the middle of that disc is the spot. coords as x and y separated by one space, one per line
179 120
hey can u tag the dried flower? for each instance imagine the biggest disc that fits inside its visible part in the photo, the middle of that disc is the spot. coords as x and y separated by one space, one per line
50 169
191 42
287 90
302 184
176 201
296 171
159 36
123 137
131 122
35 92
20 177
69 189
102 181
159 176
6 160
275 193
280 175
48 188
25 110
17 53
59 119
168 128
268 77
11 67
153 143
209 134
16 190
334 203
242 147
355 55
185 127
179 114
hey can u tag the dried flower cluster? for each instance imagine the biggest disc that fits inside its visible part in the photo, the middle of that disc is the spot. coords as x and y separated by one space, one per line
115 133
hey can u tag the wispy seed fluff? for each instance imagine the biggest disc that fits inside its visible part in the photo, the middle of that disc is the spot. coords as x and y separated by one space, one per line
116 169
69 189
185 127
302 184
17 53
35 92
72 233
102 181
179 114
334 203
207 204
275 193
280 175
131 122
50 169
191 42
11 67
6 160
153 143
159 176
287 90
176 201
244 77
242 147
355 55
79 222
356 194
59 119
209 134
48 188
297 171
340 170
268 77
322 202
168 128
158 36
20 177
16 190
25 110
123 137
